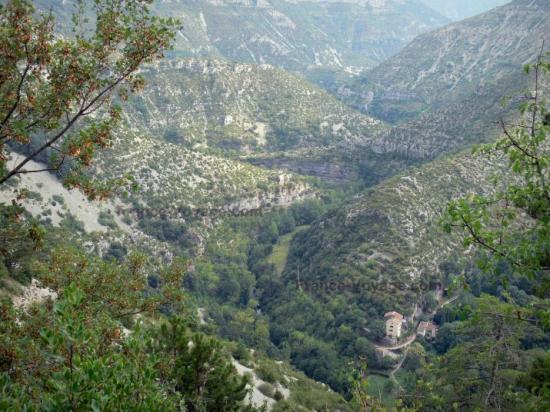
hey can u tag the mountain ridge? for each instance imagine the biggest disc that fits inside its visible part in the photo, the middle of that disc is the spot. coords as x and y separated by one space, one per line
458 10
242 107
445 90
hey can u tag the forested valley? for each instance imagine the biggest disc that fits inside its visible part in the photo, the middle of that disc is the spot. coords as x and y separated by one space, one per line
272 205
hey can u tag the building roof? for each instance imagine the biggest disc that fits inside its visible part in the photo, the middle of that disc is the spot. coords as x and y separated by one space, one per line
426 326
392 315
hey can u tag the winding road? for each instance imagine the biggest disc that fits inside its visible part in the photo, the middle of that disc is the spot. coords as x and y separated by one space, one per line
400 345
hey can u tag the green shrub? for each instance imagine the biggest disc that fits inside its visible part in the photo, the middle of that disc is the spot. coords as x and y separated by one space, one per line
249 376
34 196
267 389
173 135
72 224
58 199
266 374
116 251
107 219
3 270
241 353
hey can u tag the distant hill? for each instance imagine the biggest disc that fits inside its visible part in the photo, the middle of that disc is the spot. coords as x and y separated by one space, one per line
242 108
389 234
314 38
299 36
445 90
461 9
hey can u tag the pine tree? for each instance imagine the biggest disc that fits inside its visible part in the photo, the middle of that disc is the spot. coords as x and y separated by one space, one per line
198 369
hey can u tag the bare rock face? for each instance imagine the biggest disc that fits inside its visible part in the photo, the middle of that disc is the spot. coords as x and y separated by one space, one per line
331 171
283 197
33 294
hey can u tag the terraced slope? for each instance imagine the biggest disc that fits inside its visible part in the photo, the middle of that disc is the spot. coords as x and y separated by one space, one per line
178 182
243 108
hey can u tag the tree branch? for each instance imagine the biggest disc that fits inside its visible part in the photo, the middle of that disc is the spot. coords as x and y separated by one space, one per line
536 97
17 100
483 243
48 169
16 170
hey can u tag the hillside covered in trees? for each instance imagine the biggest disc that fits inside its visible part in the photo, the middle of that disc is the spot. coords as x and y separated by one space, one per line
262 205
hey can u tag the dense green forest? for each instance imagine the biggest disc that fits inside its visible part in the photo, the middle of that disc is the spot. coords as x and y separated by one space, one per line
252 289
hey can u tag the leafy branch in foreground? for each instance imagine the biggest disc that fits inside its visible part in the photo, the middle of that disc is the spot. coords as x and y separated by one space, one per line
509 229
56 92
74 353
511 226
